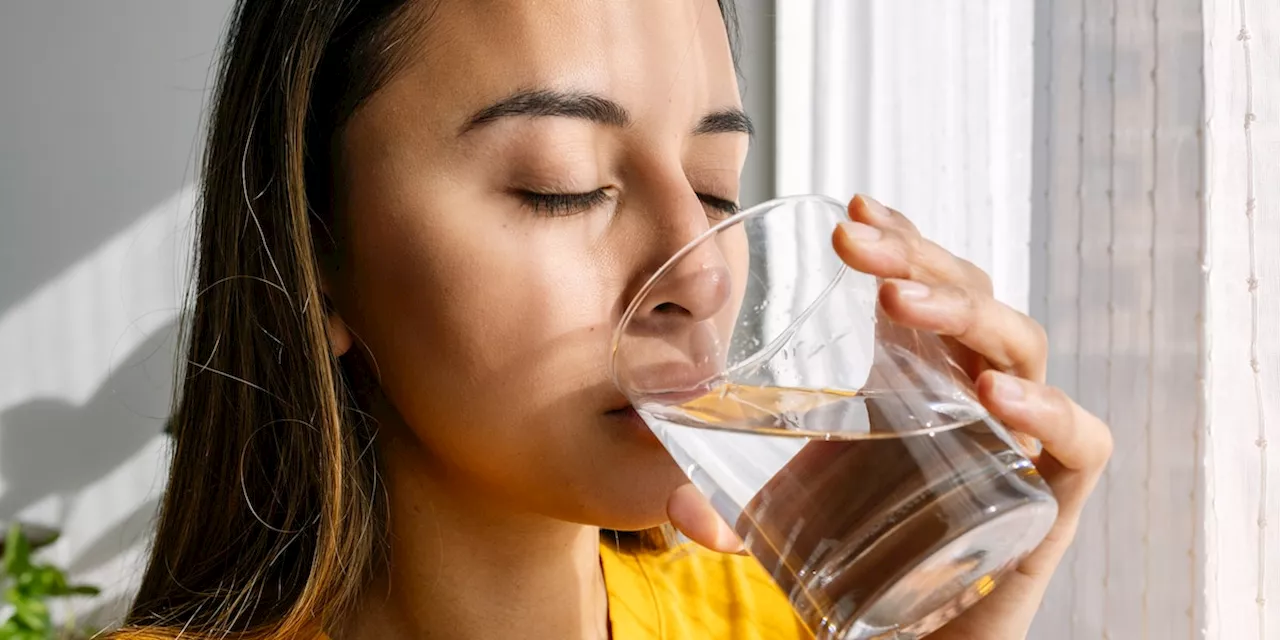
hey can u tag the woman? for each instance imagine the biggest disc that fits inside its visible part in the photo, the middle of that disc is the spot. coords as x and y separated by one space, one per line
420 220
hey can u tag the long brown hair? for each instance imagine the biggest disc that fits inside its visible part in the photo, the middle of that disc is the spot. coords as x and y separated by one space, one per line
272 519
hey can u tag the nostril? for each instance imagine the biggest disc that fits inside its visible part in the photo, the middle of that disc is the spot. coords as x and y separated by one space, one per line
669 308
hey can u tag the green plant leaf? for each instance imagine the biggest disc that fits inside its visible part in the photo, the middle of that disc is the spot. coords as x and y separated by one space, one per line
51 580
17 553
30 583
28 586
33 614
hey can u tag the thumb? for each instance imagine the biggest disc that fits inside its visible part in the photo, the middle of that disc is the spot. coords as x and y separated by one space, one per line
692 514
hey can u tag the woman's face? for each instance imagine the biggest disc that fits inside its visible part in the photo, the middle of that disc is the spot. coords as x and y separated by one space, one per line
499 203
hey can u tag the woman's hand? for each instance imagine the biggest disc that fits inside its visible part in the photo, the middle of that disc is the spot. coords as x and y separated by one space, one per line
928 288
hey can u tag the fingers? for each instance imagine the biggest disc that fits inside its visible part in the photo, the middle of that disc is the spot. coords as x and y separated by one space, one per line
1077 445
882 242
929 288
1009 340
692 514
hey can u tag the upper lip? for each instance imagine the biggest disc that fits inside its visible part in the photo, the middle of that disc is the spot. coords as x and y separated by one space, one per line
671 377
671 381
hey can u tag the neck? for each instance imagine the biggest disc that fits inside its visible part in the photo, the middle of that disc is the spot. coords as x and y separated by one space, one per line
462 566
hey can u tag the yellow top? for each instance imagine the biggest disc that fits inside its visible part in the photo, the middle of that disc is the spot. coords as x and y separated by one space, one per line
689 592
686 593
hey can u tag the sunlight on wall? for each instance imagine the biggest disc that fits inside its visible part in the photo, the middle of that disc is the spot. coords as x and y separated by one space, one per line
86 368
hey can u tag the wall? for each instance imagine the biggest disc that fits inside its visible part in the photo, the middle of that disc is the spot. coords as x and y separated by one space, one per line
99 123
757 63
1118 225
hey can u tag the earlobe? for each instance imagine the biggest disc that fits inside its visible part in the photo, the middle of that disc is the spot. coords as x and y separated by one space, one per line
339 334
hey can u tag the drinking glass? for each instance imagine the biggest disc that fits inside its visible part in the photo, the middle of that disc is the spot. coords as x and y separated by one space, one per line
849 453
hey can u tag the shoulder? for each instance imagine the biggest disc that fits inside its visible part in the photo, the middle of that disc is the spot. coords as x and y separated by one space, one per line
139 633
166 633
690 592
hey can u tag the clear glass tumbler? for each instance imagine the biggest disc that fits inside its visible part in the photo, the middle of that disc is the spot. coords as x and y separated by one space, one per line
849 453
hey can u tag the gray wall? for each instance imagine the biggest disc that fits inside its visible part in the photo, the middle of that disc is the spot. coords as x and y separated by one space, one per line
1117 282
756 66
100 109
97 124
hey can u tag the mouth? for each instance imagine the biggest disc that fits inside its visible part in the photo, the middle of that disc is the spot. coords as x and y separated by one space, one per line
632 423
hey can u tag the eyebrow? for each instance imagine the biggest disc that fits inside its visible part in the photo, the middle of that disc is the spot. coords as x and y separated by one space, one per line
594 108
546 103
731 120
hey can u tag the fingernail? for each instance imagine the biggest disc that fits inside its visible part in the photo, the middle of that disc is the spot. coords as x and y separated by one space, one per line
1007 388
876 209
859 231
728 540
911 290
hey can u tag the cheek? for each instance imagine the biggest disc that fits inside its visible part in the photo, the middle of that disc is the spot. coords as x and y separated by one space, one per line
479 309
490 329
492 343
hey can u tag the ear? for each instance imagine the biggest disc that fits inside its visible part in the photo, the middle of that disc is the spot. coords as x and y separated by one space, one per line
339 333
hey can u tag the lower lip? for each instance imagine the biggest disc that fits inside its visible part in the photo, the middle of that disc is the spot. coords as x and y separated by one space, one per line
634 423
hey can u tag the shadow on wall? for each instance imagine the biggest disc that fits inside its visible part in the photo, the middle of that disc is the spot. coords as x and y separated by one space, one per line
106 613
51 448
99 121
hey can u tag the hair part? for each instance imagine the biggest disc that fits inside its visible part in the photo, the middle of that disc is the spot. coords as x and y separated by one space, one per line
273 518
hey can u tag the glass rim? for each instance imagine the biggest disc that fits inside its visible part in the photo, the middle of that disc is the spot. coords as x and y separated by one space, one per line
756 211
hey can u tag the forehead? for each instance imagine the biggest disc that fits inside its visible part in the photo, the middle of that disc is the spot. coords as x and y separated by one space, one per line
658 58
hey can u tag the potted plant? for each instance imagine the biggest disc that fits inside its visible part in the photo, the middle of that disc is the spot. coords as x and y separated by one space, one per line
27 589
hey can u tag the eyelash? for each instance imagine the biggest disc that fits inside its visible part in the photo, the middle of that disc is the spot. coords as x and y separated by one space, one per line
560 204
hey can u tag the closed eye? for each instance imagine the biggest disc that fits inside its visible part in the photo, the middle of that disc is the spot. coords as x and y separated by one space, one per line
726 208
560 204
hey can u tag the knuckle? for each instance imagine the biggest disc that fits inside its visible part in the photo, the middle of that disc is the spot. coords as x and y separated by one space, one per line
1039 338
976 276
903 221
964 312
917 258
1034 348
966 303
1057 400
913 243
1106 445
969 310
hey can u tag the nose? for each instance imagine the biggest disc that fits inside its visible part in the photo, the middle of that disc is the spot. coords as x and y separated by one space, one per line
673 339
695 288
678 331
697 285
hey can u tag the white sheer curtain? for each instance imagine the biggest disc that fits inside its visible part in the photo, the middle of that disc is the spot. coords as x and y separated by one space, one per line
1113 164
926 105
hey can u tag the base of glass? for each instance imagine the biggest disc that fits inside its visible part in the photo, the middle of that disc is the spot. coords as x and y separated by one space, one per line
940 584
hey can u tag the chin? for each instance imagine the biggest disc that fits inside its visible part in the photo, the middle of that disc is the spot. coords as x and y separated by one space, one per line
638 501
629 523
